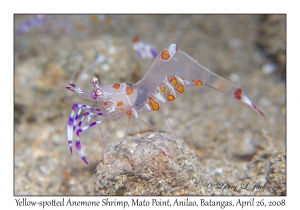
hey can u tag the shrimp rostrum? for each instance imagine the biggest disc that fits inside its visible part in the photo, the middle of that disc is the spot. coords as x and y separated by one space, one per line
171 72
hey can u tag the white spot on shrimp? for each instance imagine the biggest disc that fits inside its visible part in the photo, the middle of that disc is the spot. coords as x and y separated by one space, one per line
159 97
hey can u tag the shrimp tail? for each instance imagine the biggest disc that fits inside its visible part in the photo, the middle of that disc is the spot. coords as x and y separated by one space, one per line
222 85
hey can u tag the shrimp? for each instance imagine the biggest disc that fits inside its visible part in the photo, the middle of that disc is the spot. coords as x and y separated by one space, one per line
171 72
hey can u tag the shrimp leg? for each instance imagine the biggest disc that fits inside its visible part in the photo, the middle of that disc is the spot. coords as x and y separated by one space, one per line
72 125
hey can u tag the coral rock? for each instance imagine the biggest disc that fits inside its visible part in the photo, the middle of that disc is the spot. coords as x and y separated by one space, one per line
149 164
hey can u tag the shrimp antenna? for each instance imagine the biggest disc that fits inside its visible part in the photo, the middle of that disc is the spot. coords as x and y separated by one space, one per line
76 68
71 86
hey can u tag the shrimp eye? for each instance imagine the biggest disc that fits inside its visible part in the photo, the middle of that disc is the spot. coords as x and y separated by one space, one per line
95 80
98 91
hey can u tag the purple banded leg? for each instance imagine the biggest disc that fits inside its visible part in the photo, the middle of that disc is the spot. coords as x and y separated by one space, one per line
78 144
79 130
76 117
87 113
72 122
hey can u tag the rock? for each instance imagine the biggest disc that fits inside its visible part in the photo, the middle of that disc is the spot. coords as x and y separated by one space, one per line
149 164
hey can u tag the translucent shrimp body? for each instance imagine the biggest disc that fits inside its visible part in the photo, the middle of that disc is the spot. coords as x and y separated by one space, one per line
171 72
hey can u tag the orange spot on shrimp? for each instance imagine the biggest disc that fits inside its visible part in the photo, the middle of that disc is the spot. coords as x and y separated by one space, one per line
116 85
179 88
129 90
238 94
120 103
162 88
154 105
136 38
104 103
165 55
197 82
170 97
129 113
172 79
121 109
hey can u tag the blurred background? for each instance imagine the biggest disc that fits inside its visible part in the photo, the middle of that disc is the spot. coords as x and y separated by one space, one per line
232 141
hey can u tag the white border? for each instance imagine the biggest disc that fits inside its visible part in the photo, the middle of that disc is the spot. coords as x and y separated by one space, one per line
187 6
